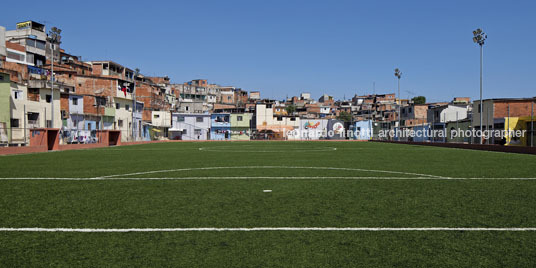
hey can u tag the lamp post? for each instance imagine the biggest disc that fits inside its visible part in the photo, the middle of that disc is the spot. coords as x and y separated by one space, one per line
479 37
53 38
398 75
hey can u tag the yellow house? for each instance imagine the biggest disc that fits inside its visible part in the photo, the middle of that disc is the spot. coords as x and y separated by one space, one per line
519 130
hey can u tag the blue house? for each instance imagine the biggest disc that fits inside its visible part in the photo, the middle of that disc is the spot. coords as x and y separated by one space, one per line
422 133
363 130
220 127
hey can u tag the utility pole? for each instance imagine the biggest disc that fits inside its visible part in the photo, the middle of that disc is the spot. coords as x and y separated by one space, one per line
134 105
479 37
508 126
532 124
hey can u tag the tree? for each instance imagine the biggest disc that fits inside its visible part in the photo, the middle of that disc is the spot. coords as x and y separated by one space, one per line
419 100
290 109
344 116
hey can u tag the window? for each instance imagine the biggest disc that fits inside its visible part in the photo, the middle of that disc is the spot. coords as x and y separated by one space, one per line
14 122
293 119
120 123
75 101
117 105
127 107
184 131
156 116
17 94
199 119
239 118
180 119
279 118
48 98
197 131
30 42
40 44
33 116
100 101
15 56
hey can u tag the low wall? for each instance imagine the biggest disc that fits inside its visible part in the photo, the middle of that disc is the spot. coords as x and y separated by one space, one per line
483 147
23 150
81 146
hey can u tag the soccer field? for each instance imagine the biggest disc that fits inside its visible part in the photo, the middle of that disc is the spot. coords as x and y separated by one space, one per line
265 204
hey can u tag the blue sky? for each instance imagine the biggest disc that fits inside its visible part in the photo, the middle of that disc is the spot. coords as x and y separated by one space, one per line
286 47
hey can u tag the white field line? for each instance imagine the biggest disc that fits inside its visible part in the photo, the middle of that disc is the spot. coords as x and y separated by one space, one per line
241 149
255 229
261 178
274 167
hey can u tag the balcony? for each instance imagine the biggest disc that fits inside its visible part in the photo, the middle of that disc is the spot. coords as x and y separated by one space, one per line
42 82
109 111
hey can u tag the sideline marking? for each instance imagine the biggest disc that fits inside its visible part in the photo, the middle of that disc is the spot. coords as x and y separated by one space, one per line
263 178
253 229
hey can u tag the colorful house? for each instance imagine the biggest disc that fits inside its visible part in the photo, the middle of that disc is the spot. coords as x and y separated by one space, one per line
220 127
241 126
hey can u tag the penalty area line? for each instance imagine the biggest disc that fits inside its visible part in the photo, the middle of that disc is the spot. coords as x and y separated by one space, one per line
256 229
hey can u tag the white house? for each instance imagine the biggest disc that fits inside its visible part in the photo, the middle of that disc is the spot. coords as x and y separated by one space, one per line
189 126
447 113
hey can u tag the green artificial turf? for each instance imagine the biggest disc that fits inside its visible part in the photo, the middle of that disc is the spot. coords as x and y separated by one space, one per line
303 202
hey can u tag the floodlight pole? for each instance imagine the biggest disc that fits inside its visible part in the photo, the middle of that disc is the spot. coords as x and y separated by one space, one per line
481 104
479 37
398 75
51 86
399 102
